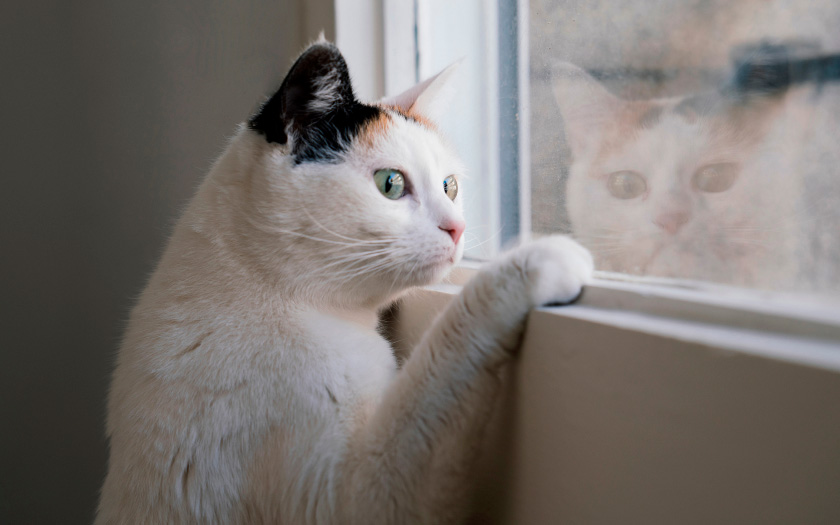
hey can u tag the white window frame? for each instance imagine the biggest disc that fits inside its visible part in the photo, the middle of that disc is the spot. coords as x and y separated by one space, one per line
647 401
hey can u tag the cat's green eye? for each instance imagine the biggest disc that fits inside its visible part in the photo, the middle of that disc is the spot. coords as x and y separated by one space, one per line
390 182
715 178
626 184
450 186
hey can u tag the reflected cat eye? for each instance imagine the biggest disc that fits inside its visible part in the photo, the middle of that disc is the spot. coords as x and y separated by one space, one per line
715 178
626 184
450 187
391 183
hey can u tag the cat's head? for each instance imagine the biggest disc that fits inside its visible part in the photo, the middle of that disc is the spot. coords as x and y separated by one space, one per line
670 187
349 202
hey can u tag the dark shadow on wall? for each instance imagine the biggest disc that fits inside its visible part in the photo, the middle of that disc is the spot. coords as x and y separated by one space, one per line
112 111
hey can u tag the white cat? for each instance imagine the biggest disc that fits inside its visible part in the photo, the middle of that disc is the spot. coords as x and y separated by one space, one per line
252 386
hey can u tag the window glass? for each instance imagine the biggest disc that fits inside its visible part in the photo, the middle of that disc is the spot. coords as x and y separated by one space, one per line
691 139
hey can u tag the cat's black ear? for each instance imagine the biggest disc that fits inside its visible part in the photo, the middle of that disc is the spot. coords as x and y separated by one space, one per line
315 109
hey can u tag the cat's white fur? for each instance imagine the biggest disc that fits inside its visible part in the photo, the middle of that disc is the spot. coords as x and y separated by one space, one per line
252 386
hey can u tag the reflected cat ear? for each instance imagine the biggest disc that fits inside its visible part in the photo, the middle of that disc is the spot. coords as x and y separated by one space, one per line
585 104
430 98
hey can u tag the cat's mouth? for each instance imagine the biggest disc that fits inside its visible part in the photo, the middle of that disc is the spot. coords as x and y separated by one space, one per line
443 263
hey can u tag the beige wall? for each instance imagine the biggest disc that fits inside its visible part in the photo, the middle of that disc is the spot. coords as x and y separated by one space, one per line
112 111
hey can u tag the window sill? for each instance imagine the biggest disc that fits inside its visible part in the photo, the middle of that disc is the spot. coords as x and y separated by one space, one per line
691 305
659 405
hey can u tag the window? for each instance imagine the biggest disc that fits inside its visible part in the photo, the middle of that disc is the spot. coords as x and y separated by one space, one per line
692 146
445 32
699 138
687 140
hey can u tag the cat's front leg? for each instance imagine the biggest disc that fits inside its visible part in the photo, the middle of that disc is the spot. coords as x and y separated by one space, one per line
491 310
410 463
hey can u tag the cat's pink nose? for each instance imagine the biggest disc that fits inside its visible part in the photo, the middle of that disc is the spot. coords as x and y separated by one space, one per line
672 222
454 229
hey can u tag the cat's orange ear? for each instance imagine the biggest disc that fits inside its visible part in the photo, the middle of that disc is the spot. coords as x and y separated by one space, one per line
585 104
430 98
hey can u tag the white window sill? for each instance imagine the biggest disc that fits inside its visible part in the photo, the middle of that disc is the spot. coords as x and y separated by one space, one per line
685 309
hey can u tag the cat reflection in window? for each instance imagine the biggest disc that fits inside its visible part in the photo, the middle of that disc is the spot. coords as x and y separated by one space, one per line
692 187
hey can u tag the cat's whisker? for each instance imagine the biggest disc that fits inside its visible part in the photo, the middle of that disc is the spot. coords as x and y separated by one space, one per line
330 241
411 271
361 241
368 270
355 271
350 259
492 237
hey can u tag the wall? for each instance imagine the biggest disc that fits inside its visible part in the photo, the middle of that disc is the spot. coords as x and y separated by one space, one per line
112 111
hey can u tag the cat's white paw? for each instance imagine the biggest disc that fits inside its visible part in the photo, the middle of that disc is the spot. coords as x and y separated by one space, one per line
556 269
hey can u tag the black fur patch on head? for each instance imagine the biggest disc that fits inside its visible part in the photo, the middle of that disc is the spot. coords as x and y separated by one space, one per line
316 106
701 105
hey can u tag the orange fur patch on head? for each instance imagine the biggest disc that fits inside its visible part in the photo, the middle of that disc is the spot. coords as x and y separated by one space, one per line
632 117
374 128
413 116
379 126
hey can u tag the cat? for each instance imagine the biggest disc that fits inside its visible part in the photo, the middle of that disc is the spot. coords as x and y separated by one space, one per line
700 187
252 386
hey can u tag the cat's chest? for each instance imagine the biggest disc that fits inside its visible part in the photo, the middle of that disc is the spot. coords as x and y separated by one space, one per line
356 363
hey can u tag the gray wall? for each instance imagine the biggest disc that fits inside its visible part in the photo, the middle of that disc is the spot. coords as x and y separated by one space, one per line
111 112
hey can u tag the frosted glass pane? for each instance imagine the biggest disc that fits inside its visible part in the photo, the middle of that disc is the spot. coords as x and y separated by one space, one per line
691 139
